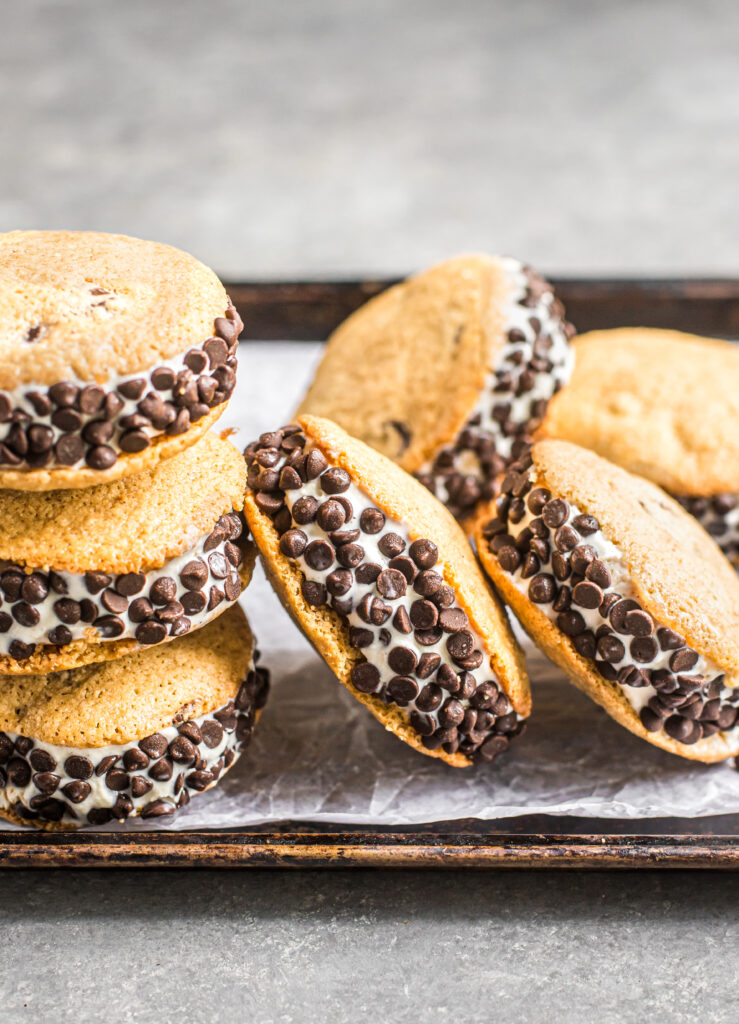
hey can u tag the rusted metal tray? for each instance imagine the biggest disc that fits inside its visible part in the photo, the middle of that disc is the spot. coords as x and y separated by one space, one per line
309 310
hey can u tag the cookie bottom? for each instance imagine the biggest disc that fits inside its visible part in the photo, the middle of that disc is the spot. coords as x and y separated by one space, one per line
160 449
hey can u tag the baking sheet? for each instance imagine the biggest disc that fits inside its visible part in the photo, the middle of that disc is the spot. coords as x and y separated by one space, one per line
319 756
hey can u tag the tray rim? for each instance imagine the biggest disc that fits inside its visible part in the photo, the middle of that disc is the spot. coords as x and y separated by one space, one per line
232 849
301 310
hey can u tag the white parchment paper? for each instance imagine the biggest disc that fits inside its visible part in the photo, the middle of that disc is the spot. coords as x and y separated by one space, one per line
318 755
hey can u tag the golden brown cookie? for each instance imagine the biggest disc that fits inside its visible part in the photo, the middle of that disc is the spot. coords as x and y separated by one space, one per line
89 575
624 591
137 736
115 354
664 405
382 581
448 373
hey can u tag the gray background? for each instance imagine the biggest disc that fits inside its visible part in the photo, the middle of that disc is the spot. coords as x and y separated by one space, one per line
336 138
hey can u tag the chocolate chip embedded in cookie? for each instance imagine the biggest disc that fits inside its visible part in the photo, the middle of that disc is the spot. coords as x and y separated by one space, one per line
448 373
133 737
624 591
115 354
90 575
382 581
664 405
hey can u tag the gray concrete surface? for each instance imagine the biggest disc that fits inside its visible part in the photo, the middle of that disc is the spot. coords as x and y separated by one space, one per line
404 947
335 137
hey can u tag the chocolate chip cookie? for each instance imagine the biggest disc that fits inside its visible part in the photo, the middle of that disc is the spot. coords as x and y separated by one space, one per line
624 591
448 373
664 405
382 581
89 575
137 736
115 354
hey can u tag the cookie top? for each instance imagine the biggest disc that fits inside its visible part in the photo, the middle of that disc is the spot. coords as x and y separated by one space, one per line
659 403
86 305
135 696
133 524
431 340
678 572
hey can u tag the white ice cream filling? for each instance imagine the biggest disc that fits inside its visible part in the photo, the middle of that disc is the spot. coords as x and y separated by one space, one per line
74 587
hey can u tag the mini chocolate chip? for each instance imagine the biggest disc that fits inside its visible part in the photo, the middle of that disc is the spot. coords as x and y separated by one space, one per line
304 510
212 733
97 581
405 565
460 644
360 637
597 572
34 588
350 555
157 809
105 764
109 626
372 520
619 611
427 582
154 746
402 689
215 596
586 525
331 515
42 761
315 464
69 450
339 582
565 538
293 543
150 632
365 677
25 614
117 779
402 660
587 594
335 481
391 544
401 621
191 730
313 593
571 623
542 588
537 499
367 572
182 751
430 697
218 566
452 620
64 394
424 615
638 623
609 648
78 767
555 513
60 636
683 660
101 457
669 640
194 574
140 609
428 663
424 553
391 584
319 555
114 602
509 558
128 584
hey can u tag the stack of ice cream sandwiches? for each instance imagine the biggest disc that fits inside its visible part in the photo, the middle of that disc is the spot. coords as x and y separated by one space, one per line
129 678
